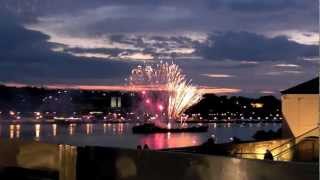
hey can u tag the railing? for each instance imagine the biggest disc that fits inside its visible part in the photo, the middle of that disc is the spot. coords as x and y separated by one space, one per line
294 139
282 152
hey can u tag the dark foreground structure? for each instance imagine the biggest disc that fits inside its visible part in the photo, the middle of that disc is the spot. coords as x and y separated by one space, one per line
31 160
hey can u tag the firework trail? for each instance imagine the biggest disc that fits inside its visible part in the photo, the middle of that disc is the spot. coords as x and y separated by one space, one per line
177 94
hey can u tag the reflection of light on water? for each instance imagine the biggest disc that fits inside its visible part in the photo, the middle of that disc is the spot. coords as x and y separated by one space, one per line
194 142
114 129
214 125
14 131
18 131
54 129
168 135
89 128
11 129
169 140
71 129
120 128
37 128
104 128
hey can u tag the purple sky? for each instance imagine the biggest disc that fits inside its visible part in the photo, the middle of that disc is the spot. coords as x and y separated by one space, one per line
257 46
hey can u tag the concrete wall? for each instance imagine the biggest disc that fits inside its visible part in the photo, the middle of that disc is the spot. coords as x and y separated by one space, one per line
122 164
39 156
85 163
301 112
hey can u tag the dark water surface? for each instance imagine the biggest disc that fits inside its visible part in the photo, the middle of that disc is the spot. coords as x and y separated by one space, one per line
120 135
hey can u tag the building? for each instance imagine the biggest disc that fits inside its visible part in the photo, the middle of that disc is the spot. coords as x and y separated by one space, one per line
115 102
300 108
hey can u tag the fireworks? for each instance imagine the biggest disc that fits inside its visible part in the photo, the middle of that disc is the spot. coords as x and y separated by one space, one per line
176 93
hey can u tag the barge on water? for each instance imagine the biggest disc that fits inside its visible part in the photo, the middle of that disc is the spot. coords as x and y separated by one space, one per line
149 128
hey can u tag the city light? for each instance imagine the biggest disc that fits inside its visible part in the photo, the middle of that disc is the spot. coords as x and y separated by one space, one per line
257 105
12 113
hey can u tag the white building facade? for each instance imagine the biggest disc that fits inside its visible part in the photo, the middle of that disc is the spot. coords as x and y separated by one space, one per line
300 108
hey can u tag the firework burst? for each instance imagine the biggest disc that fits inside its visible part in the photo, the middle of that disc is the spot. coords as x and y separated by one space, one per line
176 93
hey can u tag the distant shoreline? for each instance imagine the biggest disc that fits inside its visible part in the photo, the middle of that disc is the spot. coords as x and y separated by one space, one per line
47 121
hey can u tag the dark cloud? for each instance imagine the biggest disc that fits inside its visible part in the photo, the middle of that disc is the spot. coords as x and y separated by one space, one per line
156 27
138 15
114 52
157 46
64 5
26 57
263 5
250 46
17 42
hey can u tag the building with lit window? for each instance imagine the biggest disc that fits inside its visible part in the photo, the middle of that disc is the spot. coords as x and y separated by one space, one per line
115 102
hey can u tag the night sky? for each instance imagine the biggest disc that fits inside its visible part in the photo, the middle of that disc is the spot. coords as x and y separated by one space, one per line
248 47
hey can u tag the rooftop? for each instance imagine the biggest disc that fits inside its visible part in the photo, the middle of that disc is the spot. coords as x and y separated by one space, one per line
309 87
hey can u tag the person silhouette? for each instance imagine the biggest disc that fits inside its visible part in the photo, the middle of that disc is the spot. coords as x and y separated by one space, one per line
268 155
212 139
139 147
145 147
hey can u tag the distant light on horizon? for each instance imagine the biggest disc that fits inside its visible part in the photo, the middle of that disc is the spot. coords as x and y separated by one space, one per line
287 65
218 75
125 88
267 92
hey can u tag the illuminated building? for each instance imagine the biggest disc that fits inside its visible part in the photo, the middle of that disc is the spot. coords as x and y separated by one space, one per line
115 102
257 105
300 108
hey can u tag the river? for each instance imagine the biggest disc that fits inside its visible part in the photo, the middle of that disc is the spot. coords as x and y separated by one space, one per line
120 135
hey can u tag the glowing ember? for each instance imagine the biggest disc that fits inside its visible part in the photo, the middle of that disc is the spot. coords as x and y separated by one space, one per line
148 101
176 94
160 107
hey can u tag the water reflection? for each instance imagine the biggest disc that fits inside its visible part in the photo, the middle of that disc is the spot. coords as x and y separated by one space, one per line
11 129
54 129
72 129
89 129
120 128
14 131
18 131
104 128
168 140
37 128
120 135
